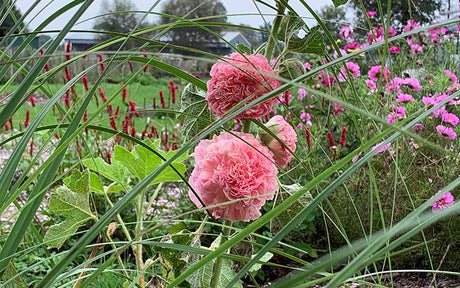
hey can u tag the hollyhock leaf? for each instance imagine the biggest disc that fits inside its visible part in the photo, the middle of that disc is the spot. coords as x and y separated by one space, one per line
265 258
282 219
312 43
141 162
338 3
193 102
115 171
243 48
71 204
95 183
290 26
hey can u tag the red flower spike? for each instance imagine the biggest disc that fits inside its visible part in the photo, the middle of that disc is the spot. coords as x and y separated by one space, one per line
32 100
154 103
85 116
7 126
113 124
56 135
110 109
133 131
124 93
117 112
11 123
330 139
308 136
27 120
175 146
31 148
162 99
144 133
343 137
84 79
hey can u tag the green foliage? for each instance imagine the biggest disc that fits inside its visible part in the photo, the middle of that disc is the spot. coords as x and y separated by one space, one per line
72 202
338 3
9 20
198 116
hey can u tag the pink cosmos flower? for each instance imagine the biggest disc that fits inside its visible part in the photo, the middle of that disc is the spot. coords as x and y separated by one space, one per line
446 132
404 98
228 168
414 47
450 118
337 109
439 112
411 25
306 118
446 200
375 35
371 85
336 55
240 77
429 101
381 150
307 65
346 32
285 133
371 13
376 72
395 49
418 128
353 46
325 79
451 76
302 93
352 67
411 83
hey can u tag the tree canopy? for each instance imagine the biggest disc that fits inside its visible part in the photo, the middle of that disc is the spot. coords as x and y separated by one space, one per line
8 21
191 35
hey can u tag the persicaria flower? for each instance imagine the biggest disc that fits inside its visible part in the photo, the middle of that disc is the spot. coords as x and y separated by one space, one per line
124 94
240 78
27 120
346 32
32 100
446 132
84 79
446 200
285 133
233 167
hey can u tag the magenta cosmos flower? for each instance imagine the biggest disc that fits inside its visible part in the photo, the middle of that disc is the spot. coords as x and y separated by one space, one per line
237 77
450 118
346 32
376 72
446 132
395 49
404 98
286 134
445 201
230 168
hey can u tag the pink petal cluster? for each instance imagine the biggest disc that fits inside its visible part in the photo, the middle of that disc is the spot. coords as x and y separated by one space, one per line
352 46
381 150
446 132
346 32
414 48
237 77
376 72
286 134
404 98
371 13
395 49
337 109
450 118
411 25
453 78
302 93
229 168
353 69
446 200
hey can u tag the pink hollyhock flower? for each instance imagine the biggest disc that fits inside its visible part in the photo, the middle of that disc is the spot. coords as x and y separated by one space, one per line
404 98
238 78
228 168
376 72
371 13
337 109
381 150
346 32
411 25
302 93
285 133
446 200
450 118
451 76
353 46
395 49
446 132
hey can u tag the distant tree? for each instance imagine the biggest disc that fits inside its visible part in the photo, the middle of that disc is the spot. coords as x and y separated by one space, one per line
118 19
190 35
422 11
334 18
8 21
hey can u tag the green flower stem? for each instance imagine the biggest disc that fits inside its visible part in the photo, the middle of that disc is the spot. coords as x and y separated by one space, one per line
274 33
246 125
216 271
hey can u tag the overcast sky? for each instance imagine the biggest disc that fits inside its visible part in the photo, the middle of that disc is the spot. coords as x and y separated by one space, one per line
232 6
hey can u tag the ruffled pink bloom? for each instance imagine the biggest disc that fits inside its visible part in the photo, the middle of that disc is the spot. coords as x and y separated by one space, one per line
376 72
450 118
371 13
429 101
325 79
395 49
446 132
392 32
238 78
353 68
418 128
381 150
336 55
337 109
286 134
346 32
404 98
375 35
371 85
228 168
411 25
439 112
414 48
446 200
412 84
453 78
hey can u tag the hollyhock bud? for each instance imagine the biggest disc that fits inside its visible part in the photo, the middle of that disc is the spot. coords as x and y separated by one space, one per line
278 126
32 100
162 99
343 137
27 120
84 79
